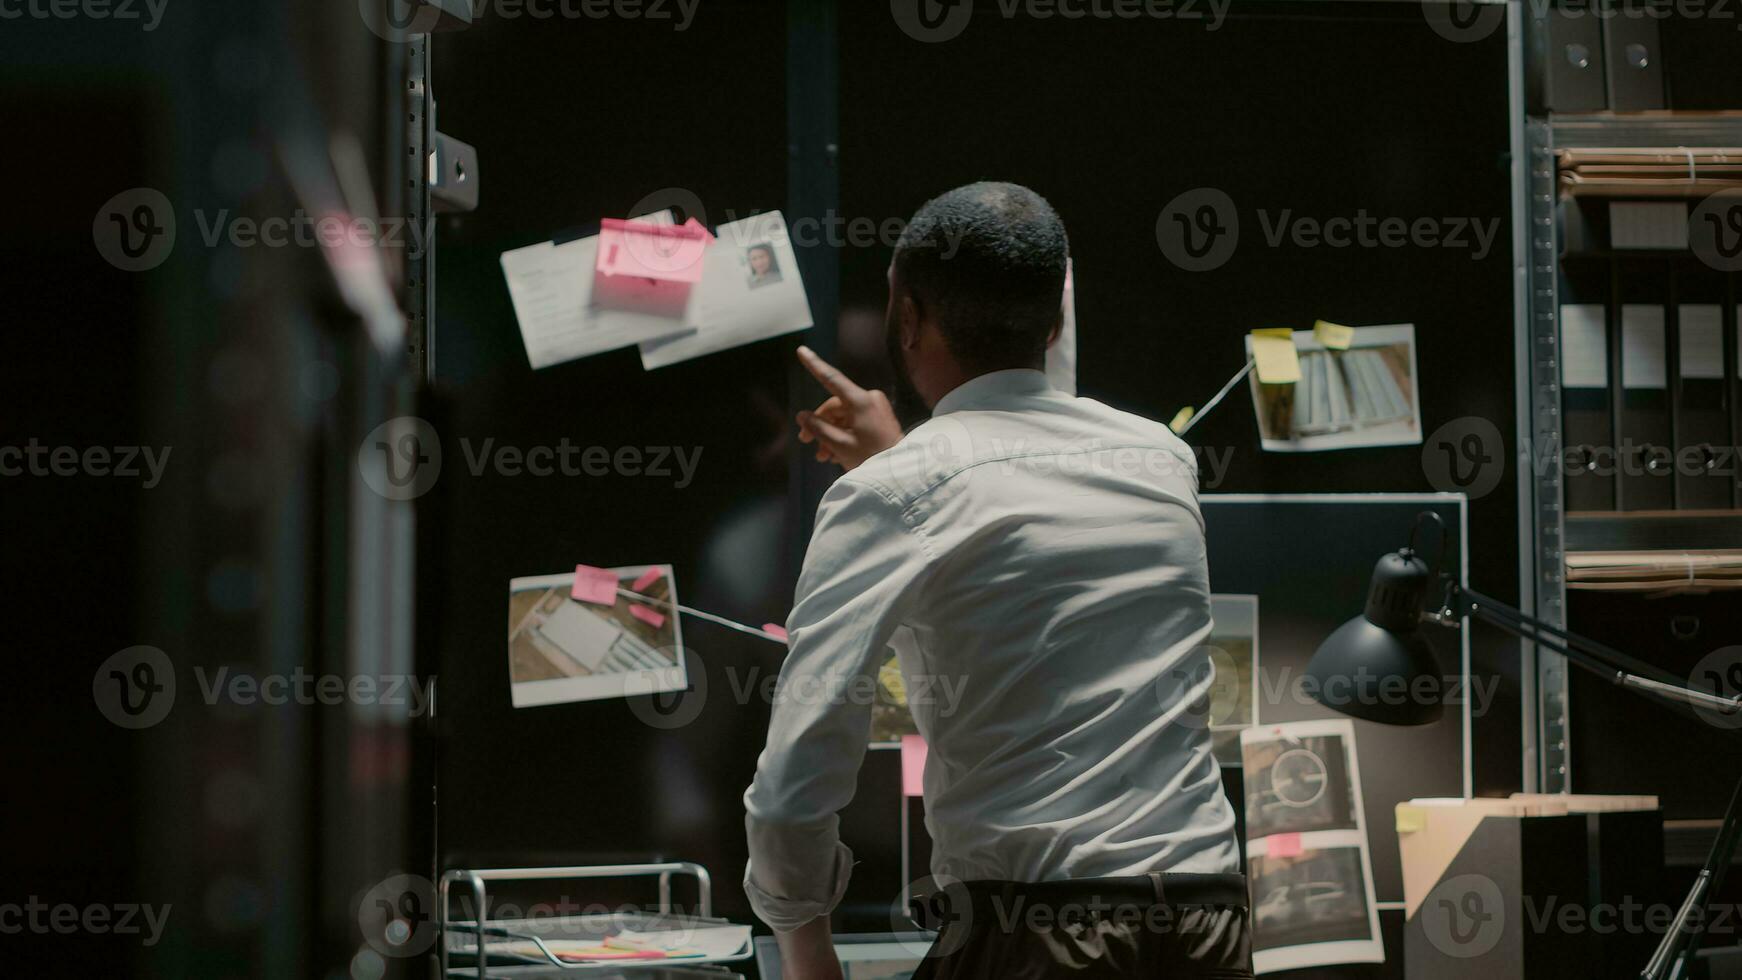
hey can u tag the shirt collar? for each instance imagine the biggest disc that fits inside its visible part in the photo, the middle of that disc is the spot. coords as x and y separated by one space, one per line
992 387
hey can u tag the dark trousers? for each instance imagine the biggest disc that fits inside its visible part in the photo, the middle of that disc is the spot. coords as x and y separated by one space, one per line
1161 926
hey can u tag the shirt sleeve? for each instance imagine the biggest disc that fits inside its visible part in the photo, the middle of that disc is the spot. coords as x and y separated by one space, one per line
859 574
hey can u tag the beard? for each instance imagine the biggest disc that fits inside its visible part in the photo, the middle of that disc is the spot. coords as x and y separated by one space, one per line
904 398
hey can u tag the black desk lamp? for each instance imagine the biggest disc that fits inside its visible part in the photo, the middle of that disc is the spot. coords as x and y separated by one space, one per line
1384 646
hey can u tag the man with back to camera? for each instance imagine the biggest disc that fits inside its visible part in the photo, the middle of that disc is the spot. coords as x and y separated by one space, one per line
1045 555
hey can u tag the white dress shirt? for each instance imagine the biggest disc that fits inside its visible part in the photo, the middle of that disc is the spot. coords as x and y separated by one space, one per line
1037 560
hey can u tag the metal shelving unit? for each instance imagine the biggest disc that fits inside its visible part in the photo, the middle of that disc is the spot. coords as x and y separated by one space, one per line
1540 134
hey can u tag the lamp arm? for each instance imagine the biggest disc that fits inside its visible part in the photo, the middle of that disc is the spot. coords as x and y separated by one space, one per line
1598 658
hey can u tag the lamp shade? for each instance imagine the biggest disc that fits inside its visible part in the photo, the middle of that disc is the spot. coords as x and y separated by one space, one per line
1378 666
1368 672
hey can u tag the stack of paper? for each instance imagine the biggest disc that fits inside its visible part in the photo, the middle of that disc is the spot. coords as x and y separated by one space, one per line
1655 571
1650 171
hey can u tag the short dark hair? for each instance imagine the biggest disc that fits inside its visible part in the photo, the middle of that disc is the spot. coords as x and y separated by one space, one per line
989 260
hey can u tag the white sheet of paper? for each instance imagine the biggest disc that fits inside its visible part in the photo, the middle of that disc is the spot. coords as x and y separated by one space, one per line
1061 357
1648 224
552 286
1584 347
1644 362
731 306
1702 340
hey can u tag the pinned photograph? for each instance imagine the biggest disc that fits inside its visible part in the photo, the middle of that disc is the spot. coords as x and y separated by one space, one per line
1315 896
763 264
1361 392
1307 851
575 637
750 290
1233 688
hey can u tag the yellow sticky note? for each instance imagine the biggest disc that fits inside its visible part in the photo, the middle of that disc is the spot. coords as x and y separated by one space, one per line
1273 350
1410 819
1334 336
1180 419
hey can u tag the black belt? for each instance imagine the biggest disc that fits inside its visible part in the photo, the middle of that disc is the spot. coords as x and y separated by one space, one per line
1171 889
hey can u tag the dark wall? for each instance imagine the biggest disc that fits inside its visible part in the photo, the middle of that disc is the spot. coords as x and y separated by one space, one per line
578 119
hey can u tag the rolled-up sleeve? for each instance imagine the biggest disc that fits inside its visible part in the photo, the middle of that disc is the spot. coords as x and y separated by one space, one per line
862 567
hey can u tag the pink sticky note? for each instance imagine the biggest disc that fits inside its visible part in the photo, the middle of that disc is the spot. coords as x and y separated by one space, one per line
647 578
596 585
646 615
913 754
1283 845
776 629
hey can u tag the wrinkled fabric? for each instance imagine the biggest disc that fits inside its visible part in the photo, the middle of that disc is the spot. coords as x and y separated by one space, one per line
1037 563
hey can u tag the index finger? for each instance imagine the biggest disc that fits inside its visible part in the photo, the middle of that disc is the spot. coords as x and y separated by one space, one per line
829 377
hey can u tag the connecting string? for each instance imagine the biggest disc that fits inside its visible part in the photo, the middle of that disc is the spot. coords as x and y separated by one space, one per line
710 617
1213 402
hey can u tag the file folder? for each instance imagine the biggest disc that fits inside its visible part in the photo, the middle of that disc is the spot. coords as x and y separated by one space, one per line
1703 461
1645 454
1587 432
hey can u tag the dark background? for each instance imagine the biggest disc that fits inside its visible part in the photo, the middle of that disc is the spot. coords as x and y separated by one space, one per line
1110 120
1321 107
